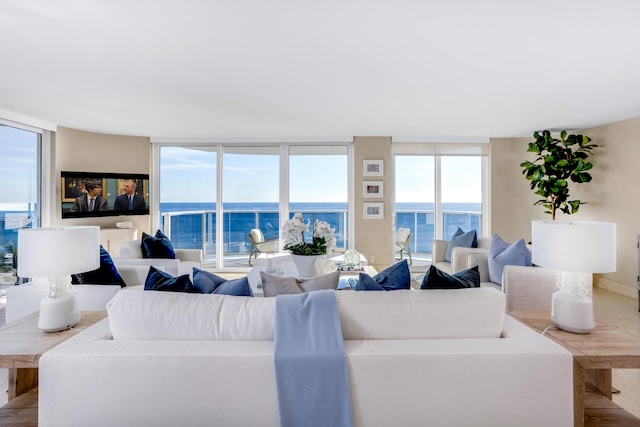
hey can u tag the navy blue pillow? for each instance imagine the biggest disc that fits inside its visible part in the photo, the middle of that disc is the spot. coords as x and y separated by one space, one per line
160 281
158 246
209 283
437 279
106 274
390 279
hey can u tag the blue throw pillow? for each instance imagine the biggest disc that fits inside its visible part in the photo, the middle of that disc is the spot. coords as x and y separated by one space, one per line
158 246
390 279
502 253
106 274
462 239
160 281
437 279
209 283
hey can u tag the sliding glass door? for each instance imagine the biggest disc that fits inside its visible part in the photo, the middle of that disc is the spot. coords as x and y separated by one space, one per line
250 194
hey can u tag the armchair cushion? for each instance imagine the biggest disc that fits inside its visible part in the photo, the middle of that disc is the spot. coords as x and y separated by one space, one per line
209 283
106 274
158 246
160 281
436 279
502 253
392 278
462 239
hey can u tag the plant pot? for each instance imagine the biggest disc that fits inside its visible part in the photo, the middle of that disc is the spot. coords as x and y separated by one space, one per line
308 265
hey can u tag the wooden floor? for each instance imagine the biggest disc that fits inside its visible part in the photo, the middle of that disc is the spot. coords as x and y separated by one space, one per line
21 411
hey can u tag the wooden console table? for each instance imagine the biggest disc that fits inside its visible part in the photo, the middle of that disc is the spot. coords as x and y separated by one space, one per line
594 355
22 344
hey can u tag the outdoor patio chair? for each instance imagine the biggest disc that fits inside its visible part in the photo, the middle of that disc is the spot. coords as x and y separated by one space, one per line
260 245
402 245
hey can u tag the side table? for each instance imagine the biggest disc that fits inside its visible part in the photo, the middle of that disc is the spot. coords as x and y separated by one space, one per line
22 344
594 355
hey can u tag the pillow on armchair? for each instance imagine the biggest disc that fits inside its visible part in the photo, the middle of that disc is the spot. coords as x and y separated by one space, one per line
502 253
158 246
462 239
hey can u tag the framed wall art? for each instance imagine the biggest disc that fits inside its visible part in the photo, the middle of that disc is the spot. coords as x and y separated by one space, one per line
372 188
373 168
373 210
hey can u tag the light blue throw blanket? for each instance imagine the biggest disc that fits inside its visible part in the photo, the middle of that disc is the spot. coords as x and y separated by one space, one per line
311 369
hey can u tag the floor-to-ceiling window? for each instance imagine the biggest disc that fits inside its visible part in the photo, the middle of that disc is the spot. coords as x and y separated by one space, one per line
415 199
439 187
212 196
188 189
250 194
461 194
19 194
317 186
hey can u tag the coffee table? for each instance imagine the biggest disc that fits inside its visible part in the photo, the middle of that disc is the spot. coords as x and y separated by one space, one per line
22 344
594 355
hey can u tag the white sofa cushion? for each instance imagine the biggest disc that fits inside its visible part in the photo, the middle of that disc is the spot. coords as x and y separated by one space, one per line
405 314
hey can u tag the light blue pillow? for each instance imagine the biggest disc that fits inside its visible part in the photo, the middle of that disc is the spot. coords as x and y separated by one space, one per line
502 253
392 278
462 239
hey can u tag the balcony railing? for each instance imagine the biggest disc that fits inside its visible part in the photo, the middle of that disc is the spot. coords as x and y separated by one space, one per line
197 229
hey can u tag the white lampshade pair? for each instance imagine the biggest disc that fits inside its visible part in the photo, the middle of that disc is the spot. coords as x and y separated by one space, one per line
49 256
576 249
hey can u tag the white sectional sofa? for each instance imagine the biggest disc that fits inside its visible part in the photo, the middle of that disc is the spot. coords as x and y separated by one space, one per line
415 358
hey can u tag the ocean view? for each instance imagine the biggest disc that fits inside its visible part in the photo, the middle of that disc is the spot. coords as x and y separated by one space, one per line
195 228
240 218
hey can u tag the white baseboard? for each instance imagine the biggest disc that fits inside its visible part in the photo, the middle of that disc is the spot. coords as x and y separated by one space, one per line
619 288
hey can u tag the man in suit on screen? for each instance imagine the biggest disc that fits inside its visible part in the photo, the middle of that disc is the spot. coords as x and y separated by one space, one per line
129 201
92 201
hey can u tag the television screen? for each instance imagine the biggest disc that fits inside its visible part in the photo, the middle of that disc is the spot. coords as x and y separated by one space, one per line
87 194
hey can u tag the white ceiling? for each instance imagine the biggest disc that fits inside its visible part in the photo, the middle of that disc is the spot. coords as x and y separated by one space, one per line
436 69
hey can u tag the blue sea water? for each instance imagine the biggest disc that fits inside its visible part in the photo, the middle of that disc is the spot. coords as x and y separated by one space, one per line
187 231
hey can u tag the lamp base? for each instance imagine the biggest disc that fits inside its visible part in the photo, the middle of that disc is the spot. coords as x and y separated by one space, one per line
571 313
58 314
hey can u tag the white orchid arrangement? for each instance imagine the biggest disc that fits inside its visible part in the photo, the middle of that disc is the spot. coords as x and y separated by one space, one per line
323 238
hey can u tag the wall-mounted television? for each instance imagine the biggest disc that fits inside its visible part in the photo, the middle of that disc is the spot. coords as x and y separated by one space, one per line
93 194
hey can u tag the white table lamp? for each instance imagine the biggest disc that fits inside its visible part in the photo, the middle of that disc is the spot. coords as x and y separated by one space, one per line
49 256
576 249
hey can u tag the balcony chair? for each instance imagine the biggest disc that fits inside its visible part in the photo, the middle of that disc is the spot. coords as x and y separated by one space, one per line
259 244
403 239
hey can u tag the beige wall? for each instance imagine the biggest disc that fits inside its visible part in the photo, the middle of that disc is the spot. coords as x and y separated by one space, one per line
612 196
75 150
373 237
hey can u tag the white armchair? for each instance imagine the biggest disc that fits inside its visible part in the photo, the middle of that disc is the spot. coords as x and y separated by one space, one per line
186 259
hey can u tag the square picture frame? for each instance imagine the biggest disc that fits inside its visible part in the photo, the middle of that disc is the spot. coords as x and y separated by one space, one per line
373 168
373 210
373 189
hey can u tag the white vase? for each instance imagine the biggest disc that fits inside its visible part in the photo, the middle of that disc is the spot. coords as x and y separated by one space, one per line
308 265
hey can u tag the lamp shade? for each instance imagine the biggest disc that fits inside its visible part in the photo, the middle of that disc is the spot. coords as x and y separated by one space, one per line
54 252
576 246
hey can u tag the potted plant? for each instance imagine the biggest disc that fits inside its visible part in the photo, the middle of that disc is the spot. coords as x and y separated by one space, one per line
559 160
306 253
